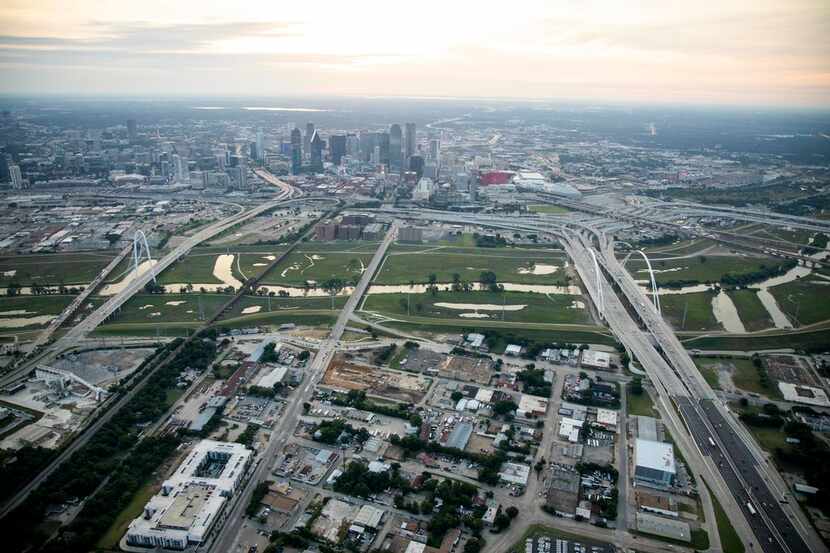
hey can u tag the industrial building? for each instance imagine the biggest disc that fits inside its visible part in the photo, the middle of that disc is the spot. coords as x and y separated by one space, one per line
191 501
665 527
654 463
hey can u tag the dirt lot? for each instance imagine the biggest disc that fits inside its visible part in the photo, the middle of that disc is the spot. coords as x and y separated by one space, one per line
395 385
480 444
466 368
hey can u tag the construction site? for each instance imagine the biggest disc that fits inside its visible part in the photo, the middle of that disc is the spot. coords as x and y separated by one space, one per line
342 374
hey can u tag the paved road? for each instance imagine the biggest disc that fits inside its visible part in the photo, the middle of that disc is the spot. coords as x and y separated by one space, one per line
229 539
114 403
137 282
677 379
47 333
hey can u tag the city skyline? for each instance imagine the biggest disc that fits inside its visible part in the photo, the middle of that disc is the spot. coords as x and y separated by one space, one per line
734 52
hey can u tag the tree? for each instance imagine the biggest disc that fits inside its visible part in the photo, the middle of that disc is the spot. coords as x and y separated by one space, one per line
512 511
456 396
333 286
473 545
306 406
504 407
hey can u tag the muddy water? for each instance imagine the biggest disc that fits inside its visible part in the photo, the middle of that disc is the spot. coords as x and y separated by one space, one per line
223 270
480 306
20 322
726 313
116 287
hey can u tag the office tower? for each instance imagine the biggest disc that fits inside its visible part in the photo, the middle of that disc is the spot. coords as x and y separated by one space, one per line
337 145
416 165
180 169
260 145
220 161
375 159
409 141
316 145
395 145
131 130
367 145
383 144
16 177
309 131
352 145
435 151
4 167
296 152
253 151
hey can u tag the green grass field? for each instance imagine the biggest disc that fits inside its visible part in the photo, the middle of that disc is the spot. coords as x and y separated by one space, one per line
538 308
681 247
702 268
142 308
746 378
53 268
813 338
752 312
698 308
804 300
543 333
318 264
403 265
641 405
317 318
548 209
708 369
34 306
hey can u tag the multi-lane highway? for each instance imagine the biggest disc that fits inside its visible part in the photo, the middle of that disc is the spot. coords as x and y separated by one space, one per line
136 282
638 325
115 403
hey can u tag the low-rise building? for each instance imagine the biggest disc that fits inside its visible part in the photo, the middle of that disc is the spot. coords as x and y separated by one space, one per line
654 463
191 501
665 527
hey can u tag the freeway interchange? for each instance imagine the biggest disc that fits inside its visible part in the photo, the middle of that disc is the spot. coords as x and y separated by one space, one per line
734 466
714 444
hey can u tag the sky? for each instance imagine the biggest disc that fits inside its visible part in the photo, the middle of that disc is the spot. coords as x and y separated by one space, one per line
725 52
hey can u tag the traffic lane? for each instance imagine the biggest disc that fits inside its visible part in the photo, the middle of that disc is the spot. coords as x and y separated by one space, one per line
748 468
746 465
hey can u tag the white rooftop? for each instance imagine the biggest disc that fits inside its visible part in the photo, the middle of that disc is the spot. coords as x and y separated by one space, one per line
654 455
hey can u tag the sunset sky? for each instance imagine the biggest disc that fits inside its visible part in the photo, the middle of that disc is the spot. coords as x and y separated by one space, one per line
751 52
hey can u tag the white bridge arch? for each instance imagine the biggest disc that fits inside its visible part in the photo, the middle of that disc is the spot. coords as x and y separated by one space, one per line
141 249
654 293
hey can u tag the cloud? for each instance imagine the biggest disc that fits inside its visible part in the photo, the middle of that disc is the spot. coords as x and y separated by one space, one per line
152 38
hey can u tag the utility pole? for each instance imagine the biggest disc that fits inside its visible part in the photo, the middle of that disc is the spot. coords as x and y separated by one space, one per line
685 310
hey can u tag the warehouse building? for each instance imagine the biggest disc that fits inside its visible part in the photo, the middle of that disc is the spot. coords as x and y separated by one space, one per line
191 501
664 527
654 463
